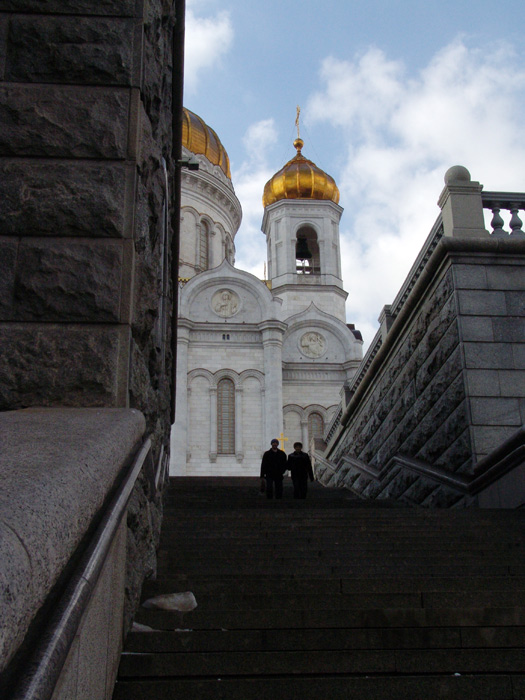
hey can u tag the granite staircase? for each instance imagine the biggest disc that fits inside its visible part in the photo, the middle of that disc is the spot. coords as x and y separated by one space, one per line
330 597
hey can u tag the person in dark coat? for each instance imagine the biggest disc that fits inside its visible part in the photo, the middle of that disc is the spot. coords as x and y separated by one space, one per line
301 468
273 466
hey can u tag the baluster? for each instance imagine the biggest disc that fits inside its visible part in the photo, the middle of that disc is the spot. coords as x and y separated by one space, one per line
497 223
516 224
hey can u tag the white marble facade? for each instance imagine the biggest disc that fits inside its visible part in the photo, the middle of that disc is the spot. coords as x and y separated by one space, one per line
255 360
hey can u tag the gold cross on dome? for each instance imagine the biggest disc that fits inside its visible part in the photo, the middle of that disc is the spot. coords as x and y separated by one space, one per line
297 121
282 440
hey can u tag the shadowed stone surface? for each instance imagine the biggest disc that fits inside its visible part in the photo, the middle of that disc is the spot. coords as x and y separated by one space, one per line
331 597
63 199
65 122
40 365
60 464
8 253
67 280
85 7
70 50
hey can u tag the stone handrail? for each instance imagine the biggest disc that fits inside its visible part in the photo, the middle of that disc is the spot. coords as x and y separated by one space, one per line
62 464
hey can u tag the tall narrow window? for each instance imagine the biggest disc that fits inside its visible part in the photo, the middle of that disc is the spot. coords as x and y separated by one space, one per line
226 417
204 244
315 426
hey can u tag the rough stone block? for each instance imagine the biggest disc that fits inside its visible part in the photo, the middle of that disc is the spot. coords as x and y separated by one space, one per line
435 419
488 356
509 330
476 328
50 365
458 457
119 8
495 411
8 252
91 51
444 439
505 277
3 44
438 357
512 383
516 303
68 280
470 277
483 382
482 303
67 122
518 356
486 438
65 199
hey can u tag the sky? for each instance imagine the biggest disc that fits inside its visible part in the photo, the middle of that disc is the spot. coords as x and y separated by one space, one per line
392 94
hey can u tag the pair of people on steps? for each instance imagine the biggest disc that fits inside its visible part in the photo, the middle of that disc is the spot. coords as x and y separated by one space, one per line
275 463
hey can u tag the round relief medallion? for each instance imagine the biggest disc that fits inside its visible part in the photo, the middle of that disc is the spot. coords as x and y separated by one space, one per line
312 344
225 303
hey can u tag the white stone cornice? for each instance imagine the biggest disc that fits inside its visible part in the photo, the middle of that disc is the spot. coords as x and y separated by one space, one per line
208 189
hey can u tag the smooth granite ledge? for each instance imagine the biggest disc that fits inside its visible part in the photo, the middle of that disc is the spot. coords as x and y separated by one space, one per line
56 468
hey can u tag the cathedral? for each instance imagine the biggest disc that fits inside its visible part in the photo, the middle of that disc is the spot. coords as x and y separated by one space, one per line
256 359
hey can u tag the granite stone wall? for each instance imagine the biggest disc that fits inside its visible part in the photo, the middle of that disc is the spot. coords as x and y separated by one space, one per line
449 389
85 178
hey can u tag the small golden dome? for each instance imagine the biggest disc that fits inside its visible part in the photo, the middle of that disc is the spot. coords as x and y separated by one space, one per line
300 179
199 138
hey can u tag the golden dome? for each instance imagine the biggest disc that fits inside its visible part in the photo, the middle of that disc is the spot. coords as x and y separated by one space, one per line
199 138
300 179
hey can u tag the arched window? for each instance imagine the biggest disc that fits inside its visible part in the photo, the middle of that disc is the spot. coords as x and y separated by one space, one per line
204 246
315 426
307 252
226 417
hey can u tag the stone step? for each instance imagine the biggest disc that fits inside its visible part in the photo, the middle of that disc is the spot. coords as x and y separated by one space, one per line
454 687
334 661
205 584
338 601
326 639
329 598
347 618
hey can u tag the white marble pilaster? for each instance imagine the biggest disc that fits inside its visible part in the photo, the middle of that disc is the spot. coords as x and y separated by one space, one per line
179 430
272 337
213 423
239 454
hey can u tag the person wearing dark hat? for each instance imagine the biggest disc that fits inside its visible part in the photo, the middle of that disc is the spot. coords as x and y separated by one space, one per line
273 466
300 469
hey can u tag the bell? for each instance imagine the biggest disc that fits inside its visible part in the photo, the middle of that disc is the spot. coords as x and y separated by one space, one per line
301 251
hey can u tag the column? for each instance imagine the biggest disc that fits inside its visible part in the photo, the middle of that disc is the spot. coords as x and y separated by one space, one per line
179 435
239 454
272 338
304 434
213 424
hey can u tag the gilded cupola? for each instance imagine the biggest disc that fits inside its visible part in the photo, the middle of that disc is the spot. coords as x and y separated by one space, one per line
300 179
199 138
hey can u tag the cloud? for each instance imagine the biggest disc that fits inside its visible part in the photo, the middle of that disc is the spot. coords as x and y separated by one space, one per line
249 181
400 133
207 39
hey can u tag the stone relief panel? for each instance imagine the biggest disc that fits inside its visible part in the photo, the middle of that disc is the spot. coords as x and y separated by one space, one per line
312 344
225 303
307 344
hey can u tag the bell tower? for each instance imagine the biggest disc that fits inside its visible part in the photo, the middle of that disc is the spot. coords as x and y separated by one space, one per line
301 224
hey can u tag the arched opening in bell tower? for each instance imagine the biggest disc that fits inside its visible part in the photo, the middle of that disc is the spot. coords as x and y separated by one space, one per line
307 258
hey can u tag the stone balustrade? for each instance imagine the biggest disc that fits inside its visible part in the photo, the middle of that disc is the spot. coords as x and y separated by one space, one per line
512 202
